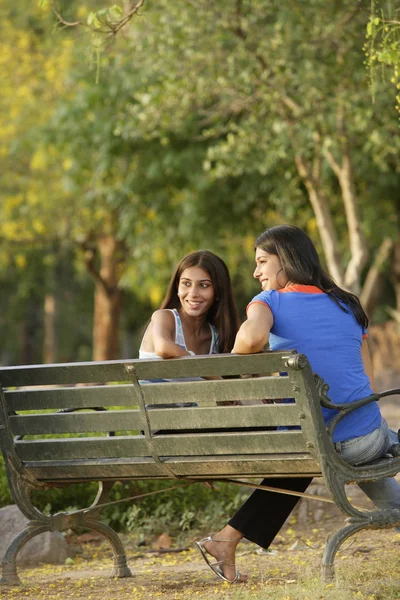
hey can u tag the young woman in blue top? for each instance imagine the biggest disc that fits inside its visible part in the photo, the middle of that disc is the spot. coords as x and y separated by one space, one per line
301 307
198 314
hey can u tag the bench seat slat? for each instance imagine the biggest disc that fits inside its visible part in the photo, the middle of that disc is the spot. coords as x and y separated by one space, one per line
173 419
165 445
75 397
108 371
78 422
270 465
265 415
213 391
202 392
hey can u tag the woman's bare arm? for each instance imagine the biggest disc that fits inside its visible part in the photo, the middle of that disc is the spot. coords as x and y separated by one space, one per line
254 332
163 335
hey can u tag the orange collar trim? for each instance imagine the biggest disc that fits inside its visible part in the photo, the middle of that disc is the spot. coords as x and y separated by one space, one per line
299 287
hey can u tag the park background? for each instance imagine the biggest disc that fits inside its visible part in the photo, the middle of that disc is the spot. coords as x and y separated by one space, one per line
134 133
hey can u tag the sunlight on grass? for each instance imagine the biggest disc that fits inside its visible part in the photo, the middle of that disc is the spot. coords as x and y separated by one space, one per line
366 568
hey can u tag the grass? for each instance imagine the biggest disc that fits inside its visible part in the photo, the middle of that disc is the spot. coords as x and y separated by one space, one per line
366 567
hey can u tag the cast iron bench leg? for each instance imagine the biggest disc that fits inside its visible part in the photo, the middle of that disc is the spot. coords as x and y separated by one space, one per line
333 545
9 564
121 568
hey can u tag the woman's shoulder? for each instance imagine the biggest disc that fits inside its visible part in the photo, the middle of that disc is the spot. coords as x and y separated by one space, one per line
265 297
163 317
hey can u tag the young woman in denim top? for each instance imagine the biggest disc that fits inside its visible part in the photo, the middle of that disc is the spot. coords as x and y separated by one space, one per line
301 307
198 314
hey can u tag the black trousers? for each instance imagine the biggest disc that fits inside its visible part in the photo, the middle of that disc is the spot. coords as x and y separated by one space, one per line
261 517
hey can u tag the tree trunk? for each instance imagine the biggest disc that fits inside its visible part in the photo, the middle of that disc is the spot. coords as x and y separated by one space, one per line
311 174
373 284
31 327
384 341
326 229
358 246
396 272
107 299
49 344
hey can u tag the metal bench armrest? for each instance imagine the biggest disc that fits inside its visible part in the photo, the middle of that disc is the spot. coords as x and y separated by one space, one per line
348 407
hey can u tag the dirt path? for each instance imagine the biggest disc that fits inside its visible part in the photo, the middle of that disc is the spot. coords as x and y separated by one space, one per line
366 566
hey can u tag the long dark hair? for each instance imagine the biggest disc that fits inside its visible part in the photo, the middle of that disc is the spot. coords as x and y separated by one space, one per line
223 313
299 259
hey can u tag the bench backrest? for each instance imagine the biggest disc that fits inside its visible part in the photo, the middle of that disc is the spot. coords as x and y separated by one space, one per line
84 441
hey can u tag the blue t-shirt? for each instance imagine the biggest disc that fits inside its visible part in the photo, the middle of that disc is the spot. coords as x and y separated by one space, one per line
309 321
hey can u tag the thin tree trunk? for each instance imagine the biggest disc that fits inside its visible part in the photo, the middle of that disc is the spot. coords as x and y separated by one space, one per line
373 283
358 247
107 309
396 272
49 344
107 302
30 328
319 203
107 297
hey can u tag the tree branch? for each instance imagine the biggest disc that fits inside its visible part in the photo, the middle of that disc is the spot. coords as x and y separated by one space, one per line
320 205
89 257
317 161
110 28
332 162
395 314
63 21
373 282
345 176
133 10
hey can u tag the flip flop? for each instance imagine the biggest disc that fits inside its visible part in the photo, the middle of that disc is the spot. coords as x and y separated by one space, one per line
215 566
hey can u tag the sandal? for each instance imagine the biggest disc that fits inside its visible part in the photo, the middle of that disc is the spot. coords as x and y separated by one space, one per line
215 566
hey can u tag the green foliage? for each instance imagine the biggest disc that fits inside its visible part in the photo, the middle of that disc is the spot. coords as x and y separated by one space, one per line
188 141
277 83
178 511
382 47
181 510
5 494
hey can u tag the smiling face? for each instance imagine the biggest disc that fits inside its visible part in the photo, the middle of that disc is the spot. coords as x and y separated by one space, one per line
195 291
269 271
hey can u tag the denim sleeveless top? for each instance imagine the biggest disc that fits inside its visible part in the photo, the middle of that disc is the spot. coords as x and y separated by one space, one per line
180 338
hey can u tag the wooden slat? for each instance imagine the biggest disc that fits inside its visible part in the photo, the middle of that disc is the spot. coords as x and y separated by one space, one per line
225 364
229 443
64 374
265 415
164 445
75 397
209 392
123 420
202 392
110 371
202 467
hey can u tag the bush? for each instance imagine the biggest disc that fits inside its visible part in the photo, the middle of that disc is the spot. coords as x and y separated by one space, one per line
179 511
5 494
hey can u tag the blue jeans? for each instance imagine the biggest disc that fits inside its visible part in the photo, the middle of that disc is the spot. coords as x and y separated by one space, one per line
384 493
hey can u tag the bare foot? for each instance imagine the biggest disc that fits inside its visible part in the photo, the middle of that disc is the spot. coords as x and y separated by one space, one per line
224 553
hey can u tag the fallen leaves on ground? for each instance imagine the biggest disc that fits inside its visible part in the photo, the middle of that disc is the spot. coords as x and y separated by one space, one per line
366 568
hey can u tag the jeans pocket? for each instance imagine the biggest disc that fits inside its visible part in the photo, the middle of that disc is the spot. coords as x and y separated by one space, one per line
366 448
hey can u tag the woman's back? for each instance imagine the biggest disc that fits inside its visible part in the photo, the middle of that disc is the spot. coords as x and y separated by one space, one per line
309 321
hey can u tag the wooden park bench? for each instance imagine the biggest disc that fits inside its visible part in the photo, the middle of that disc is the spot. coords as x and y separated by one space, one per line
51 435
